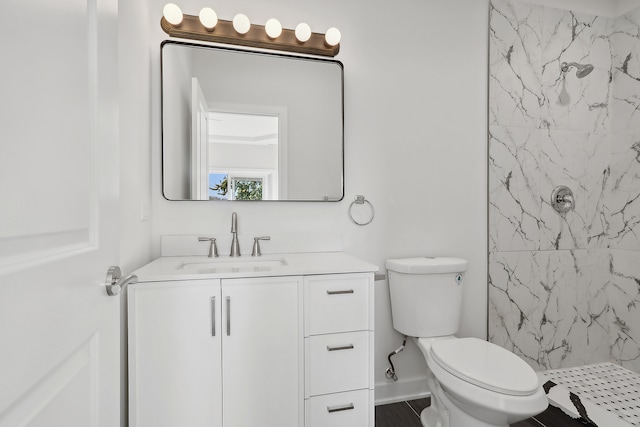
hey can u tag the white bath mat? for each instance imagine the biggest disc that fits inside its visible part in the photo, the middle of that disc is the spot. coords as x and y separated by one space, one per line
607 385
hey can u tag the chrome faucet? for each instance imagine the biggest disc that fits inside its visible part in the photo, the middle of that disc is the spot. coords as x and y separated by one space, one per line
256 245
235 246
213 248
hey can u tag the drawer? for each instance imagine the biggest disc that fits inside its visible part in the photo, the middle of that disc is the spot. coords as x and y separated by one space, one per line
351 409
336 362
337 303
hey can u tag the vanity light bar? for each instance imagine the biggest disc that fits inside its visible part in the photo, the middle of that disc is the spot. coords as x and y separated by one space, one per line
241 32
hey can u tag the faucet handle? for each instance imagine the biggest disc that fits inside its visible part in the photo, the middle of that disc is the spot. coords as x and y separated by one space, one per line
256 245
213 248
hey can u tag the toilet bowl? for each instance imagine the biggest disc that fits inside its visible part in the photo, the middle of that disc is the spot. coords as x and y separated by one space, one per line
473 383
481 384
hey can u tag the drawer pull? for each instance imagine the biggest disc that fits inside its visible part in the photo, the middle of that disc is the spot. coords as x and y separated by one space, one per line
347 291
340 347
348 407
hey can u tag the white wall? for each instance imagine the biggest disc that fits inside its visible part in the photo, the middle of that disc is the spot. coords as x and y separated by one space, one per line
243 156
415 145
135 136
135 161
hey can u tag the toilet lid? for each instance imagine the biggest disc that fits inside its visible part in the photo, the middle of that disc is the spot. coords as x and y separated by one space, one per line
485 365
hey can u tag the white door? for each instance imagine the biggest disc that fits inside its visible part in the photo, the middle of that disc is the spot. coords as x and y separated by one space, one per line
59 331
199 143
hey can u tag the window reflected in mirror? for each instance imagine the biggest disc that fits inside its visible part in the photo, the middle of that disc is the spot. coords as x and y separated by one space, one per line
242 156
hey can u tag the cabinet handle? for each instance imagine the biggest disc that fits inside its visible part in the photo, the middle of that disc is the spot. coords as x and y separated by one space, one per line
340 347
339 408
347 291
213 316
228 316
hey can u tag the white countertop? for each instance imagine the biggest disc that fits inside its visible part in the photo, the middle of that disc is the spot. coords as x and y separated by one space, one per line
290 264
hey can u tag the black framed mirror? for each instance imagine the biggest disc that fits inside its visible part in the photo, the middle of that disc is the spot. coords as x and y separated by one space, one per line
243 125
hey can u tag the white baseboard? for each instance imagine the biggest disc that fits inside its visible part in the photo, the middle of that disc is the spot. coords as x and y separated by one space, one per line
400 391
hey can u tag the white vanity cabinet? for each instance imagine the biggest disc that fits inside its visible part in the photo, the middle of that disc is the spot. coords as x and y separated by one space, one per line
216 353
276 341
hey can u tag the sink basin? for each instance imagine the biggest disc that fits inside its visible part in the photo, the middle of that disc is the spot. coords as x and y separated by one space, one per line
226 265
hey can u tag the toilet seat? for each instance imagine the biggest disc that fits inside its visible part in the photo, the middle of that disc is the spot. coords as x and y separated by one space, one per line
491 406
485 365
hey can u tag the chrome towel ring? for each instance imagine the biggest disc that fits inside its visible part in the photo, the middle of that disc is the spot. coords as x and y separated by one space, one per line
360 200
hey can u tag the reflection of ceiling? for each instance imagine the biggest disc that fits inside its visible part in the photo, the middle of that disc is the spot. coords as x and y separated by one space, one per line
241 128
609 8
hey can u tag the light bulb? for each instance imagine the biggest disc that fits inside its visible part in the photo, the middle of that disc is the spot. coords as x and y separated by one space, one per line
273 28
303 32
241 23
208 18
172 14
332 37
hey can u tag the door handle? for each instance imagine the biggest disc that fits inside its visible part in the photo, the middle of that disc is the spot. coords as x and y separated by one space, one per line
115 281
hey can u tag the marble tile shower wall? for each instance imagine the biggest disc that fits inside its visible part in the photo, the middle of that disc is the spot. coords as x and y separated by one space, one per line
564 290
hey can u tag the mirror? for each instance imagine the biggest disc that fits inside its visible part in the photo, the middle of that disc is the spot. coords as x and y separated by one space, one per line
241 125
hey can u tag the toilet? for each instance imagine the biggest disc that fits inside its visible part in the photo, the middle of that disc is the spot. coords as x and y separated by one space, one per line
473 383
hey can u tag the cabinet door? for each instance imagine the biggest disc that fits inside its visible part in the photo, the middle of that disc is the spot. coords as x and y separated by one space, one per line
262 352
174 354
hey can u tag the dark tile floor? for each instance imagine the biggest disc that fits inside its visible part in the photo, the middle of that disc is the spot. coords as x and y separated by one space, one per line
407 414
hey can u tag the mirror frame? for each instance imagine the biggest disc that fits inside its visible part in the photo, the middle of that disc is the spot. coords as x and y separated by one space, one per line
258 53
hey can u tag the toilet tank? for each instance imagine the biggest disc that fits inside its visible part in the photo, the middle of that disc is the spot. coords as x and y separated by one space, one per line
426 295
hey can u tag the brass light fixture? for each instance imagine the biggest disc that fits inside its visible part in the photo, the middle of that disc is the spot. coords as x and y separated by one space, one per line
207 27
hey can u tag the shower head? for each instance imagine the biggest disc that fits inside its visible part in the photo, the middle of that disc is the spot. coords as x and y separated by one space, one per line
582 70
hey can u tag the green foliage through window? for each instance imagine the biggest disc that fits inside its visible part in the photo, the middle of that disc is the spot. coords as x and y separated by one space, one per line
243 188
247 189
